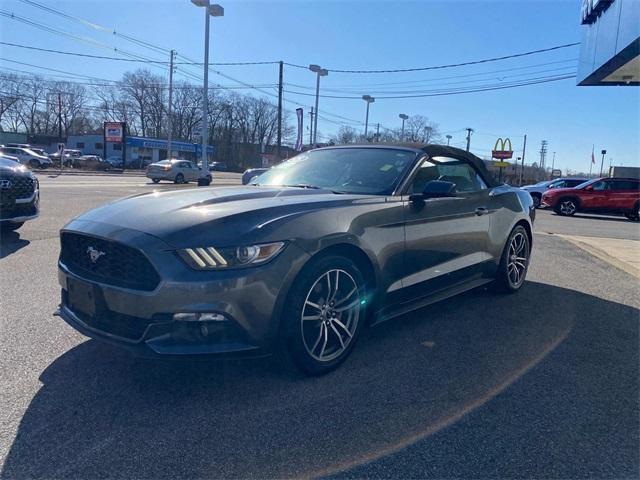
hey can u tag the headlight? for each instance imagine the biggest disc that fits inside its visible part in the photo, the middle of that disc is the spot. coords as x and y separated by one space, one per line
209 258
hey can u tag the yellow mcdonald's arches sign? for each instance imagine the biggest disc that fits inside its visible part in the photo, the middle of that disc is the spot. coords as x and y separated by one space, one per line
502 149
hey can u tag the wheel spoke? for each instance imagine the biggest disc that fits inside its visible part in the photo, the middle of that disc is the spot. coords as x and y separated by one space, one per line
343 327
354 290
326 339
333 327
332 297
348 306
314 305
311 317
319 337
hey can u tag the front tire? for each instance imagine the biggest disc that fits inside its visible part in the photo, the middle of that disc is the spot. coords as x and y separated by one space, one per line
324 315
7 227
179 178
155 180
514 262
34 164
566 207
634 215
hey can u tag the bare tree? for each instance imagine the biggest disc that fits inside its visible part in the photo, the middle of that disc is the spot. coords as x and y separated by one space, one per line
420 129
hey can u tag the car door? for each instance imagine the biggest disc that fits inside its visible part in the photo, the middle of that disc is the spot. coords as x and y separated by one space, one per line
623 194
446 239
188 171
595 196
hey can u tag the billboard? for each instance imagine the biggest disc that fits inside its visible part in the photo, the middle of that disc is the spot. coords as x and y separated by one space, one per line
113 132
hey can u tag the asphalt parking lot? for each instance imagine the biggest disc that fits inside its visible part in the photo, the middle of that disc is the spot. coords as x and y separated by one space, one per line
543 383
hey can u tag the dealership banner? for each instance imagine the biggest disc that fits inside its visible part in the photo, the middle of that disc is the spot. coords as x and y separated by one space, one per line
300 114
113 131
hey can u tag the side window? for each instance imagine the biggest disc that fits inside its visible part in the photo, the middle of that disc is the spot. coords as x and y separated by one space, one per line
600 186
573 183
465 177
626 185
558 184
447 169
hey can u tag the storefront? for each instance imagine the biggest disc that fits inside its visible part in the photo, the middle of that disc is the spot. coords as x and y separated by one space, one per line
610 47
149 150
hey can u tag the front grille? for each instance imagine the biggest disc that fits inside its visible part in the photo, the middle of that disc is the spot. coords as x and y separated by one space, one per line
21 187
117 264
9 211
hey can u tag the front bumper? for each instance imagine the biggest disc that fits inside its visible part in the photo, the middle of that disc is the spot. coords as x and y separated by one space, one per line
250 299
22 210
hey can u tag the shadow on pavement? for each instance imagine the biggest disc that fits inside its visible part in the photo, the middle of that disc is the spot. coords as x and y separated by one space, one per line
10 243
600 217
101 413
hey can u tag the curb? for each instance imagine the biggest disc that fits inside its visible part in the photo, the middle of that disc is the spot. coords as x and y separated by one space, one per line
603 255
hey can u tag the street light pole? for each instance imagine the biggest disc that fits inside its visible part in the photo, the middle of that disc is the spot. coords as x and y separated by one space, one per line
403 117
604 152
320 72
213 11
369 99
449 137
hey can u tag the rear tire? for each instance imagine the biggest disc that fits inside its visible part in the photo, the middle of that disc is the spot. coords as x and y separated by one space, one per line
323 315
566 207
155 180
514 262
634 215
34 163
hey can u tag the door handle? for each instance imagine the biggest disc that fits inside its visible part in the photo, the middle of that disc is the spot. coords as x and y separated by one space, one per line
481 211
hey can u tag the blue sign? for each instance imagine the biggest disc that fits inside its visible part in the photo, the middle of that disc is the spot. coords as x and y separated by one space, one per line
142 142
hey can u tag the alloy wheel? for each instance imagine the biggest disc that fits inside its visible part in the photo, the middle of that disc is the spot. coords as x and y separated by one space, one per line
567 207
518 259
330 315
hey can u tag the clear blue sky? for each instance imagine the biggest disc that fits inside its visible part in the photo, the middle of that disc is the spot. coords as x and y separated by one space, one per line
371 35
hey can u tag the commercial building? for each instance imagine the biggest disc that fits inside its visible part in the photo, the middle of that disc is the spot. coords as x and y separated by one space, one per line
140 151
610 46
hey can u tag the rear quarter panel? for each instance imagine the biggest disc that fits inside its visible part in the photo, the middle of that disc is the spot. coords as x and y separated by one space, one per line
510 206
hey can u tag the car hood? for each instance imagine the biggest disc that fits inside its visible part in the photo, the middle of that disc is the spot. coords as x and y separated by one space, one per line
222 215
556 191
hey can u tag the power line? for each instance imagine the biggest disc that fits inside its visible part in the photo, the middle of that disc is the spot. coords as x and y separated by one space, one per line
479 88
451 65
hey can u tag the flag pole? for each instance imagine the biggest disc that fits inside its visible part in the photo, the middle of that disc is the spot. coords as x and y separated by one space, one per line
592 159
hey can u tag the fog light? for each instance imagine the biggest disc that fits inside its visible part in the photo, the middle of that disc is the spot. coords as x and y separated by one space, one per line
199 317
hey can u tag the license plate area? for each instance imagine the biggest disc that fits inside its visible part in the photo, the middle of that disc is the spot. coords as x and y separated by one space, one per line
82 297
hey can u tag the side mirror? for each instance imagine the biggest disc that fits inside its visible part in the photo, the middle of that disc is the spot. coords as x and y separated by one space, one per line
589 188
435 189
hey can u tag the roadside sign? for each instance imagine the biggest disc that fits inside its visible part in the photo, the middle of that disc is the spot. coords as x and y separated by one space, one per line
61 148
501 164
502 149
113 132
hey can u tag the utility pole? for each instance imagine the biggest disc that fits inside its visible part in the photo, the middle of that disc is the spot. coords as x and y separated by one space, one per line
553 162
524 151
543 155
172 55
59 118
311 128
469 132
378 133
279 138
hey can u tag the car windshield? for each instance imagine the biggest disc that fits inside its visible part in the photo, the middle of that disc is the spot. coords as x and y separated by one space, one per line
6 162
370 171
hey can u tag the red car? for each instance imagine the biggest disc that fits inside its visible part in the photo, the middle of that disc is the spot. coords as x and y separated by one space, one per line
602 195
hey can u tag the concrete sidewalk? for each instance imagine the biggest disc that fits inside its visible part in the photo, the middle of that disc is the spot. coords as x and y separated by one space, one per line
623 254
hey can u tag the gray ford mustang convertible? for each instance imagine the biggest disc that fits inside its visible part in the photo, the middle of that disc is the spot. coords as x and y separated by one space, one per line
299 263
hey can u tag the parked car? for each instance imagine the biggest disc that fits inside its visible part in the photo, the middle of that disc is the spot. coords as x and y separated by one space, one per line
19 195
218 167
70 157
27 156
91 162
602 195
330 241
175 170
252 173
539 188
116 162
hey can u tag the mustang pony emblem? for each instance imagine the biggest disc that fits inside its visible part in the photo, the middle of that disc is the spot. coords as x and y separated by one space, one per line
94 254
